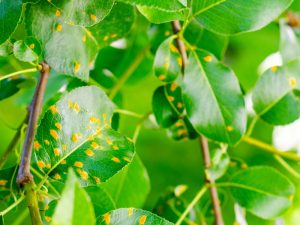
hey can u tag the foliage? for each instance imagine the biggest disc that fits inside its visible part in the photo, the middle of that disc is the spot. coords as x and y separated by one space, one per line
183 72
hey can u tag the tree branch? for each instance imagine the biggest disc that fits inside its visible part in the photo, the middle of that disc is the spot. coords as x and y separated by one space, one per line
24 175
203 142
25 178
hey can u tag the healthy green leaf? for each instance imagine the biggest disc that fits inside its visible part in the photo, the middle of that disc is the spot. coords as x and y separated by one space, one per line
10 87
84 13
27 50
213 99
65 56
167 62
75 206
169 5
158 16
130 186
131 216
236 16
101 199
263 191
115 26
273 97
9 17
76 132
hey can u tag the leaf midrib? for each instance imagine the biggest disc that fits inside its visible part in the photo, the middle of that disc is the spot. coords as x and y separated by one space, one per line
209 7
213 93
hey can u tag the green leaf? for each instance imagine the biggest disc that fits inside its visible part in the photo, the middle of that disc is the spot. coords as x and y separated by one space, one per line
182 129
164 113
75 206
101 200
220 161
8 187
6 48
170 5
236 16
131 216
130 186
54 34
84 13
9 17
76 132
273 97
158 16
168 61
115 26
27 50
213 99
10 87
263 191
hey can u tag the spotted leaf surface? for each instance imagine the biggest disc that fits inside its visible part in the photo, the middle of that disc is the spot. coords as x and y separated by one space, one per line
27 50
167 62
115 26
8 186
173 93
9 17
6 48
235 16
182 129
131 216
266 198
274 98
76 132
169 5
84 13
65 56
213 99
75 206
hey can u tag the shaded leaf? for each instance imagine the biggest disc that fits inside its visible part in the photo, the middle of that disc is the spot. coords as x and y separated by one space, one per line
236 16
131 216
9 17
213 99
219 163
75 206
76 132
266 198
130 186
6 48
9 87
182 129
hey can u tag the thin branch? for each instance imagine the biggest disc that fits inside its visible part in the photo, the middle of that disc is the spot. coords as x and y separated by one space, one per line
287 166
24 175
18 73
191 205
12 145
203 142
25 178
271 149
12 206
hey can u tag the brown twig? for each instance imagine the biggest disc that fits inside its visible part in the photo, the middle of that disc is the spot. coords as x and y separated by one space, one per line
24 175
25 178
203 142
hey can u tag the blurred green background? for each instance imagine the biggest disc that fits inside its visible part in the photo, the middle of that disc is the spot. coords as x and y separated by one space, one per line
169 162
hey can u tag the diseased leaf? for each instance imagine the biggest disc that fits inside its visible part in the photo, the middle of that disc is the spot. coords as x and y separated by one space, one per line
273 97
170 5
182 129
6 48
219 163
84 13
167 62
8 187
54 34
75 206
115 26
130 186
213 99
266 198
10 14
76 132
236 16
27 50
131 216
